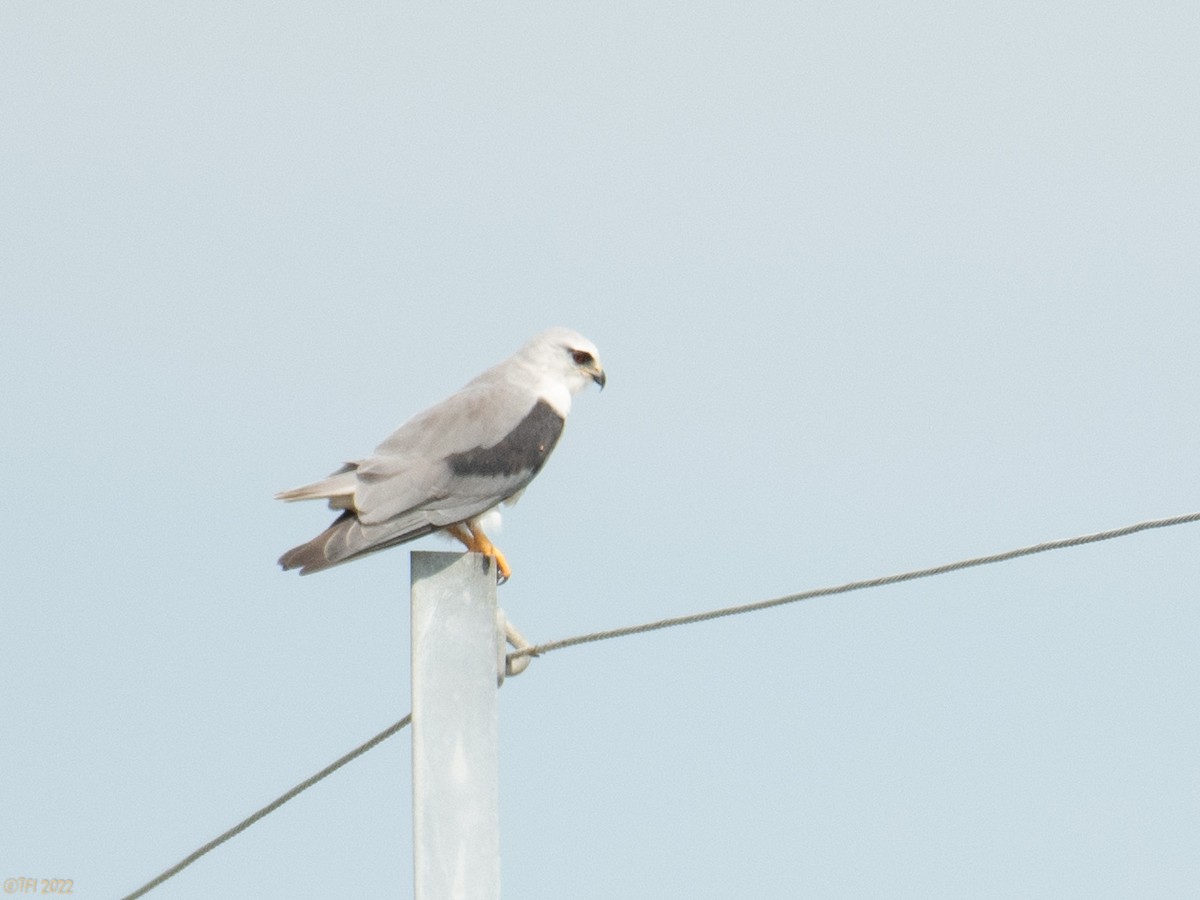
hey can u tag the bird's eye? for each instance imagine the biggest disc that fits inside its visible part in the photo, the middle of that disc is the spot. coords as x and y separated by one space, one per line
581 357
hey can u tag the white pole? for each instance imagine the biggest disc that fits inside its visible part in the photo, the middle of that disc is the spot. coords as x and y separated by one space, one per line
456 795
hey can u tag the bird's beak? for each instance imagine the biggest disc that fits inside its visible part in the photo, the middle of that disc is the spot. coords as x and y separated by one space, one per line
600 378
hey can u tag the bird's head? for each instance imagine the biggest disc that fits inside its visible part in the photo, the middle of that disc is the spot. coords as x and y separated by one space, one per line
570 357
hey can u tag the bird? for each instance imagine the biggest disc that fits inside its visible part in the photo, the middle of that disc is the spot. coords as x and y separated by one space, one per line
448 467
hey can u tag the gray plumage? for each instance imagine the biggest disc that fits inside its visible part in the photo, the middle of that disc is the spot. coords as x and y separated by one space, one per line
447 467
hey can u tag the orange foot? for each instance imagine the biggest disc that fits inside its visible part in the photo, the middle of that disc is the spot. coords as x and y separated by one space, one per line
476 541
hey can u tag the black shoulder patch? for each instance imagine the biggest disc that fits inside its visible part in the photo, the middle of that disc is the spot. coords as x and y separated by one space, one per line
523 450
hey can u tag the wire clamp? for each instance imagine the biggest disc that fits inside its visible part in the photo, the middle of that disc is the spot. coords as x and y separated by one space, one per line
507 635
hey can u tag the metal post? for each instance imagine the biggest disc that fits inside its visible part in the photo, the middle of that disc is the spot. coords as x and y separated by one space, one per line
456 796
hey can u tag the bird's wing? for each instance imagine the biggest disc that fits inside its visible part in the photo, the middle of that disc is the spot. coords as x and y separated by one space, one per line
459 458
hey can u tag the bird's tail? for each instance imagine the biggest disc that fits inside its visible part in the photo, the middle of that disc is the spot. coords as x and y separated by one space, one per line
322 551
338 489
343 541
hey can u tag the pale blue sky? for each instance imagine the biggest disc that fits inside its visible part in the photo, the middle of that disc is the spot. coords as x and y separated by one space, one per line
876 289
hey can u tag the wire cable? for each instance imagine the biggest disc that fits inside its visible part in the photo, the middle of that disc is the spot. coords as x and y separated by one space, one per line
270 807
540 649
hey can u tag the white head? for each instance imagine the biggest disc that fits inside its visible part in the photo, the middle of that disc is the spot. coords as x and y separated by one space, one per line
566 362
